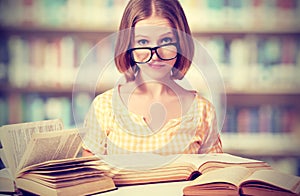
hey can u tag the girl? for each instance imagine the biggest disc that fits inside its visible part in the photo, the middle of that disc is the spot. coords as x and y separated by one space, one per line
151 113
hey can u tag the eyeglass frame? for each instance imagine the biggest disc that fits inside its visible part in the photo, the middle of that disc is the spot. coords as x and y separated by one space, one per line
155 50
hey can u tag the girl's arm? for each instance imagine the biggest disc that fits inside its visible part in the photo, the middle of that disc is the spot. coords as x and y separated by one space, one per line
211 139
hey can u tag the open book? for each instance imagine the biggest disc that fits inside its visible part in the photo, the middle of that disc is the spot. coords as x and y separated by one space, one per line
15 138
239 180
135 168
27 144
143 168
74 176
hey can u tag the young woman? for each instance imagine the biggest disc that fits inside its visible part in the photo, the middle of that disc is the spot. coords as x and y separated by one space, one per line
151 113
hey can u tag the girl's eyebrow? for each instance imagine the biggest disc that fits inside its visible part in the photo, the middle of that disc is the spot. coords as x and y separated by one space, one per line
140 36
167 34
162 35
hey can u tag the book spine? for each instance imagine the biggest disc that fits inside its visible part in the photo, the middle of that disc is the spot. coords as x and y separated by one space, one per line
93 13
260 119
4 59
32 107
257 62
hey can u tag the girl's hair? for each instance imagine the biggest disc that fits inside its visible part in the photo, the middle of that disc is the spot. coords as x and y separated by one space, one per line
137 10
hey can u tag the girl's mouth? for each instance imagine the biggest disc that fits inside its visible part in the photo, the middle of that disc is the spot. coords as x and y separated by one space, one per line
156 65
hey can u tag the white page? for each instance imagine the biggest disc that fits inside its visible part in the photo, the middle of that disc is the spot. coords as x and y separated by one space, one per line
15 138
51 146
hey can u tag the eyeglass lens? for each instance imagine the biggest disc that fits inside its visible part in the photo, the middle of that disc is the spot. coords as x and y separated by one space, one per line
143 55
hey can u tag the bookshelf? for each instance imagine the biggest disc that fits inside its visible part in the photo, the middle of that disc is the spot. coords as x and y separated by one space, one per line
257 51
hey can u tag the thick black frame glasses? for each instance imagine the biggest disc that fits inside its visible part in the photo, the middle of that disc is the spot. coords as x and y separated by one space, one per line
164 52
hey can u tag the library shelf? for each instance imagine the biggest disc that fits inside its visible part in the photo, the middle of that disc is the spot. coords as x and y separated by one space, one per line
255 144
103 31
275 145
245 31
55 31
36 89
291 94
251 98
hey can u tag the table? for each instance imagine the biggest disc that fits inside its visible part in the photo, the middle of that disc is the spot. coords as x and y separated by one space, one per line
156 189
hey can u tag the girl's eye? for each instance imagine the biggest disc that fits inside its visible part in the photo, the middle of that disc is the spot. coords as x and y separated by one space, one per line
166 40
142 42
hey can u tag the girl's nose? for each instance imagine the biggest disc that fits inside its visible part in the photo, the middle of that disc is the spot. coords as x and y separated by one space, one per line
154 56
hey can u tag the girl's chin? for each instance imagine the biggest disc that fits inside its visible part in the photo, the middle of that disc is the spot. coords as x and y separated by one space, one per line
158 76
156 71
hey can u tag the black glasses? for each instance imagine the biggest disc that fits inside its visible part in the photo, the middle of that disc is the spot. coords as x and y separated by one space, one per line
144 54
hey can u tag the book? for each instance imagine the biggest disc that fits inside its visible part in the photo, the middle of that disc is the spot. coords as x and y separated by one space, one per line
6 182
128 169
107 172
131 169
151 168
80 176
16 137
28 145
239 180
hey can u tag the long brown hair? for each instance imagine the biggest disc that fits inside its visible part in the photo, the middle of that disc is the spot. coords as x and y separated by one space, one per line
137 10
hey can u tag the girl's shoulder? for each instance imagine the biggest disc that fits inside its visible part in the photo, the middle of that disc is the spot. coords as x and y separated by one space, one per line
203 102
105 97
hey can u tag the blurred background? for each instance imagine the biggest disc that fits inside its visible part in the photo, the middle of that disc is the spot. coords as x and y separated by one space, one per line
255 44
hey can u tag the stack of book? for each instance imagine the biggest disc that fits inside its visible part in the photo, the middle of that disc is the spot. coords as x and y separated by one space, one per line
42 158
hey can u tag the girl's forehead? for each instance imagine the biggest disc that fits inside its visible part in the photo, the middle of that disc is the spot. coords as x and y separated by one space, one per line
153 25
153 31
154 21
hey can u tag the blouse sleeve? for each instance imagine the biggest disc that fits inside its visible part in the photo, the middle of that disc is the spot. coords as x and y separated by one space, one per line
94 139
211 142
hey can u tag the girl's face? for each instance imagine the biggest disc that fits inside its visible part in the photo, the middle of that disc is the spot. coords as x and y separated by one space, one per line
152 32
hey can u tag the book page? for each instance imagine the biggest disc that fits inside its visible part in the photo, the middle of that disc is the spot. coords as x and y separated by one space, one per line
3 157
200 159
233 175
276 178
51 146
5 173
15 138
6 181
138 161
51 165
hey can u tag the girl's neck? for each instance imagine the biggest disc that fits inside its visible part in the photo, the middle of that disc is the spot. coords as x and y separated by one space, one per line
154 88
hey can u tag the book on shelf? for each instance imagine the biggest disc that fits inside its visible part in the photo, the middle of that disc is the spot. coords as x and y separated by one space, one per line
25 145
244 182
95 14
260 119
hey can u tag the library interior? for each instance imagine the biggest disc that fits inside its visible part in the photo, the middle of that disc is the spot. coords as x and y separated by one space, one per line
254 43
